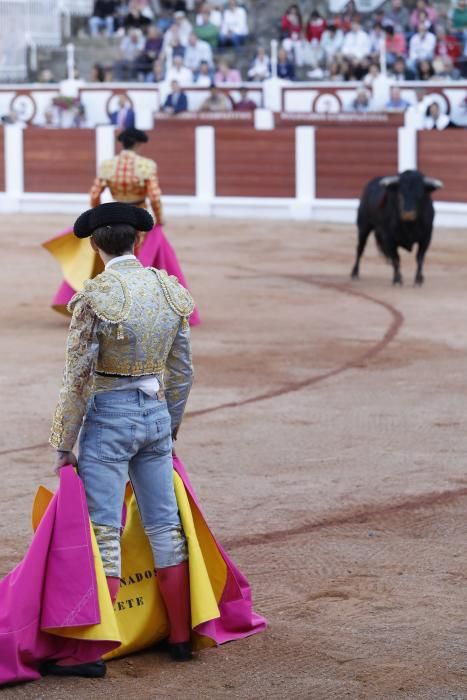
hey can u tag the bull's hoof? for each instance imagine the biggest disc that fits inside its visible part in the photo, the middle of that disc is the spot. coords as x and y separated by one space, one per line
419 280
354 274
398 281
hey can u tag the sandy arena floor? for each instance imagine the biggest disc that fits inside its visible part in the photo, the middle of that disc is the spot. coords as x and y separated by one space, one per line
326 436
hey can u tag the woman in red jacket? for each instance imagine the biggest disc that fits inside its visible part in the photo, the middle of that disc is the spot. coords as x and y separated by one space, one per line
291 23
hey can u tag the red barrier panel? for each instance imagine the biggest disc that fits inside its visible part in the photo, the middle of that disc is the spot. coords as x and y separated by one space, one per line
441 154
172 146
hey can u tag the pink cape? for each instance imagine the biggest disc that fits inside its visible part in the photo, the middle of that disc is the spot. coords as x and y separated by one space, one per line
156 251
55 587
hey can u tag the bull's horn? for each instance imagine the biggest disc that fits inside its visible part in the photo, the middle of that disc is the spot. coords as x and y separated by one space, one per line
389 180
433 182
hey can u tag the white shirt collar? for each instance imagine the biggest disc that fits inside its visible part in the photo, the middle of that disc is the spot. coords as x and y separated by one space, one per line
120 258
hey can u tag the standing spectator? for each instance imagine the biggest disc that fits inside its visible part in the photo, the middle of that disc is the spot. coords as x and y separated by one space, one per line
216 102
103 17
124 117
400 71
396 44
434 119
399 17
285 66
422 13
396 102
234 29
331 42
245 104
292 24
203 78
315 26
179 72
422 46
356 42
197 51
131 47
205 29
176 102
226 74
179 31
261 66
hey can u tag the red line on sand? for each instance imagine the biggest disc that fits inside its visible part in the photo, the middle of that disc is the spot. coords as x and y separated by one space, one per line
391 332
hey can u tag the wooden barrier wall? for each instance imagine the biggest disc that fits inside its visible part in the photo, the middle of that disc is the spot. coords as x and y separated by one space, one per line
441 154
59 160
172 146
255 163
348 156
2 160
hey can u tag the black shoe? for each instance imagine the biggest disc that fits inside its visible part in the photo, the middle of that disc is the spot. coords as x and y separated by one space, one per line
96 669
181 651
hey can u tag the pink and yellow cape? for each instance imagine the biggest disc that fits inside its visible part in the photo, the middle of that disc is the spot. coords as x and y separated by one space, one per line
55 603
79 263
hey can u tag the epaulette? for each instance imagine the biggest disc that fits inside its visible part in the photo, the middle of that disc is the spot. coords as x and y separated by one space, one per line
144 168
178 298
107 169
108 296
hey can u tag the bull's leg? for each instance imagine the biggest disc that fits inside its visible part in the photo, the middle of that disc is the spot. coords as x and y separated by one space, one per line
421 251
363 233
396 266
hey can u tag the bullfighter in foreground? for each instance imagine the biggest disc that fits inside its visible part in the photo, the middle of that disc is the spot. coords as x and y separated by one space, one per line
128 373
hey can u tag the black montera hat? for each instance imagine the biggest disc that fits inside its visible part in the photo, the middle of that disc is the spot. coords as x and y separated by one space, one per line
111 214
135 135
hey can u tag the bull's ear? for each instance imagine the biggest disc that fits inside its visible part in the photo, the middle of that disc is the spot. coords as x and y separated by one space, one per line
389 181
432 184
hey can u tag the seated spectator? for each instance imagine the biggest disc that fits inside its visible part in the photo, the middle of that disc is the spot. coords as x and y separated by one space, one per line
315 26
179 72
443 69
396 102
400 71
425 70
447 45
423 13
261 66
203 77
124 117
234 29
196 52
46 76
97 74
131 47
291 23
176 102
136 18
377 39
361 103
226 74
179 31
356 42
245 104
216 102
373 73
398 16
152 49
434 119
459 16
205 29
157 74
396 44
102 19
331 42
285 66
421 46
335 71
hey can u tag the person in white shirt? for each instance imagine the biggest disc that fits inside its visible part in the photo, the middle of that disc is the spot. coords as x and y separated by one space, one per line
421 47
196 52
261 66
215 15
356 44
331 42
131 47
203 78
179 72
179 31
434 119
234 28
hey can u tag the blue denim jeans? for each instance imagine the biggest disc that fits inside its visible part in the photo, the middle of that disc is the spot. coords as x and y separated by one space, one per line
127 434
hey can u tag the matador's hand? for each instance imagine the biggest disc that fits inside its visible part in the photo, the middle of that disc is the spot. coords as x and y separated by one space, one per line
63 459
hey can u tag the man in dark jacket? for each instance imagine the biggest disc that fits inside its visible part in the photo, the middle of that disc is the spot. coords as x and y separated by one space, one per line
177 101
103 17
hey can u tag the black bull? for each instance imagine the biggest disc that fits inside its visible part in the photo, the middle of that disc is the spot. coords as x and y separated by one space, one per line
400 211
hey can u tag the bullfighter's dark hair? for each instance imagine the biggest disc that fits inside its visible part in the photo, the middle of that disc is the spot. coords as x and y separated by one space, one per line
116 239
